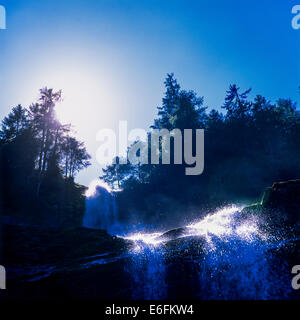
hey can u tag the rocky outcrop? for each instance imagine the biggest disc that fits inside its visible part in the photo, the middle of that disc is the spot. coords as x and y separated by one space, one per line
172 234
280 205
31 246
282 198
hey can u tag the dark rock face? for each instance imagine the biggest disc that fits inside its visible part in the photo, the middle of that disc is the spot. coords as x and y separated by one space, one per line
284 196
32 245
280 204
173 234
50 263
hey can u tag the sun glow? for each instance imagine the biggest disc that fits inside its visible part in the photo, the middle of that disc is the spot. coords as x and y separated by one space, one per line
81 92
87 95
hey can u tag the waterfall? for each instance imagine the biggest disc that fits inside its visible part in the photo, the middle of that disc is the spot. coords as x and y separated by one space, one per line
101 209
222 256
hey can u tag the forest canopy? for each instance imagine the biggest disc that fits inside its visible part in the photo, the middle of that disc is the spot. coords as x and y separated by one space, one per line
39 160
249 144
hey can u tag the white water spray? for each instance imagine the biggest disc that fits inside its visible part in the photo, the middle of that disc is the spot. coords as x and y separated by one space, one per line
233 259
222 225
101 208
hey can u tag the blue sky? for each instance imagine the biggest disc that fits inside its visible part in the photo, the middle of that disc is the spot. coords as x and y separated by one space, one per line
110 57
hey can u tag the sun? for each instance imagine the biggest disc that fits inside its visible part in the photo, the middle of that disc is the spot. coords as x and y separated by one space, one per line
80 92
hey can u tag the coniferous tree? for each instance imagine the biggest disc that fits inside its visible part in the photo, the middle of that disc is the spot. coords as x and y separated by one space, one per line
167 110
249 146
33 155
14 124
236 104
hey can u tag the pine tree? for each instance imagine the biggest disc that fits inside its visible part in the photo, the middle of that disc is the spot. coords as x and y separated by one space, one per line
169 103
14 124
236 103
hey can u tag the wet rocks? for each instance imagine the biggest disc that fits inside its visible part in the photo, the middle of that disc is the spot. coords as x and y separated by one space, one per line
280 204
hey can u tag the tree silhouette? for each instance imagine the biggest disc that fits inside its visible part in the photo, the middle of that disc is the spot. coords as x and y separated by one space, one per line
35 152
14 124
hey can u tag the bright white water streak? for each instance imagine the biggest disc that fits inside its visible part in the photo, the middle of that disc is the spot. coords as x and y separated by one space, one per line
148 238
222 224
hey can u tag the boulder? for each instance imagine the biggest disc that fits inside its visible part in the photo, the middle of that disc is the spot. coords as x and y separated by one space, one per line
283 199
284 196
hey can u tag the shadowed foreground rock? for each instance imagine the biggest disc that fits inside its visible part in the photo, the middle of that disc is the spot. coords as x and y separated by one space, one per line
52 264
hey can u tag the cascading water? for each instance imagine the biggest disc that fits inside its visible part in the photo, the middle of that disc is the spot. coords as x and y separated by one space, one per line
101 209
225 255
222 256
146 265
